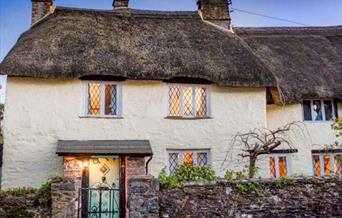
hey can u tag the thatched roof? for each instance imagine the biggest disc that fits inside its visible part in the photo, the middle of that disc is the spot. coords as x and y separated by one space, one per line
307 62
71 43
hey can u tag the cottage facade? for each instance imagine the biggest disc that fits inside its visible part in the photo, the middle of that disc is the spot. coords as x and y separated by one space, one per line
101 96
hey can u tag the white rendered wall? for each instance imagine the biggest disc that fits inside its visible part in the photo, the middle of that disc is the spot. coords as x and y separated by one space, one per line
39 112
315 135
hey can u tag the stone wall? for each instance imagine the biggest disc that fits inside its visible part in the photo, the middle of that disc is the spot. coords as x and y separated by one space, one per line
64 201
300 197
24 205
54 199
313 197
143 199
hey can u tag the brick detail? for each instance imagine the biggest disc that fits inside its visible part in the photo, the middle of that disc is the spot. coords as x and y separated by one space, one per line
73 170
40 8
135 166
120 4
216 11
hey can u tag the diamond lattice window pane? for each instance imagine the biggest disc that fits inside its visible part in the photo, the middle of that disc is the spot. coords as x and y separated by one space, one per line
173 162
201 102
316 165
202 159
282 167
188 158
338 164
94 98
327 165
110 100
174 101
272 167
188 101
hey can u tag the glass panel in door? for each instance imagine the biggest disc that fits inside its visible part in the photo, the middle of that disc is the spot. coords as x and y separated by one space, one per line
104 194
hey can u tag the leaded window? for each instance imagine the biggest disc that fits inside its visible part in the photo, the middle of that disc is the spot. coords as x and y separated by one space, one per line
202 158
319 110
178 158
173 161
279 165
326 164
102 99
188 101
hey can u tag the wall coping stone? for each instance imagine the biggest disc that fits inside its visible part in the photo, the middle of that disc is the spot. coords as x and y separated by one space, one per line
312 179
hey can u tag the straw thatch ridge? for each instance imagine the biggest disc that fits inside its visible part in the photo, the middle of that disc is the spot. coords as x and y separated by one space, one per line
306 61
134 44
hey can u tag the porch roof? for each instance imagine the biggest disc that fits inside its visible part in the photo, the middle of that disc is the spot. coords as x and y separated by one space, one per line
104 147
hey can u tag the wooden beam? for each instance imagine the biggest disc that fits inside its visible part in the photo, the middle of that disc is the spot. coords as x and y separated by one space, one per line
84 192
123 187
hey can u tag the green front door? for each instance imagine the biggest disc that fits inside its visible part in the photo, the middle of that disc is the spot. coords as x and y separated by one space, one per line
104 193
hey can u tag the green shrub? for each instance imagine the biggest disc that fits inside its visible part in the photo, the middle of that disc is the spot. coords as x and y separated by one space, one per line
241 175
44 188
17 192
189 173
250 188
231 175
169 181
337 125
186 173
278 184
285 181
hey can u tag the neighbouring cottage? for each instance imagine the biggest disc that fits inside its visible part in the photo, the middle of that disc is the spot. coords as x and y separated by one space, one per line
104 96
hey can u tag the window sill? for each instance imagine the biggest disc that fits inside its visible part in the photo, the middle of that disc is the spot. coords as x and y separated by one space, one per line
318 121
188 118
101 117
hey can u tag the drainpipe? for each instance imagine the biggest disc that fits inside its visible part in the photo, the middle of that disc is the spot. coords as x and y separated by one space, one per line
148 161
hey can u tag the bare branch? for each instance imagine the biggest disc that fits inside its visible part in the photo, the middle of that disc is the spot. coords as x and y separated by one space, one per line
264 141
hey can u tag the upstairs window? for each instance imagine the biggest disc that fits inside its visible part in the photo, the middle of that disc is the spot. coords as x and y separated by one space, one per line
327 163
279 165
177 158
319 110
188 101
102 99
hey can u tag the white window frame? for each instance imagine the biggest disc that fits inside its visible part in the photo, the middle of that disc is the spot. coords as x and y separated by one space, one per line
85 111
193 86
321 162
181 152
276 164
323 110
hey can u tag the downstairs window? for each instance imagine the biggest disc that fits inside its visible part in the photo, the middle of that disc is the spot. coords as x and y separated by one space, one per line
279 166
178 158
326 164
280 162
